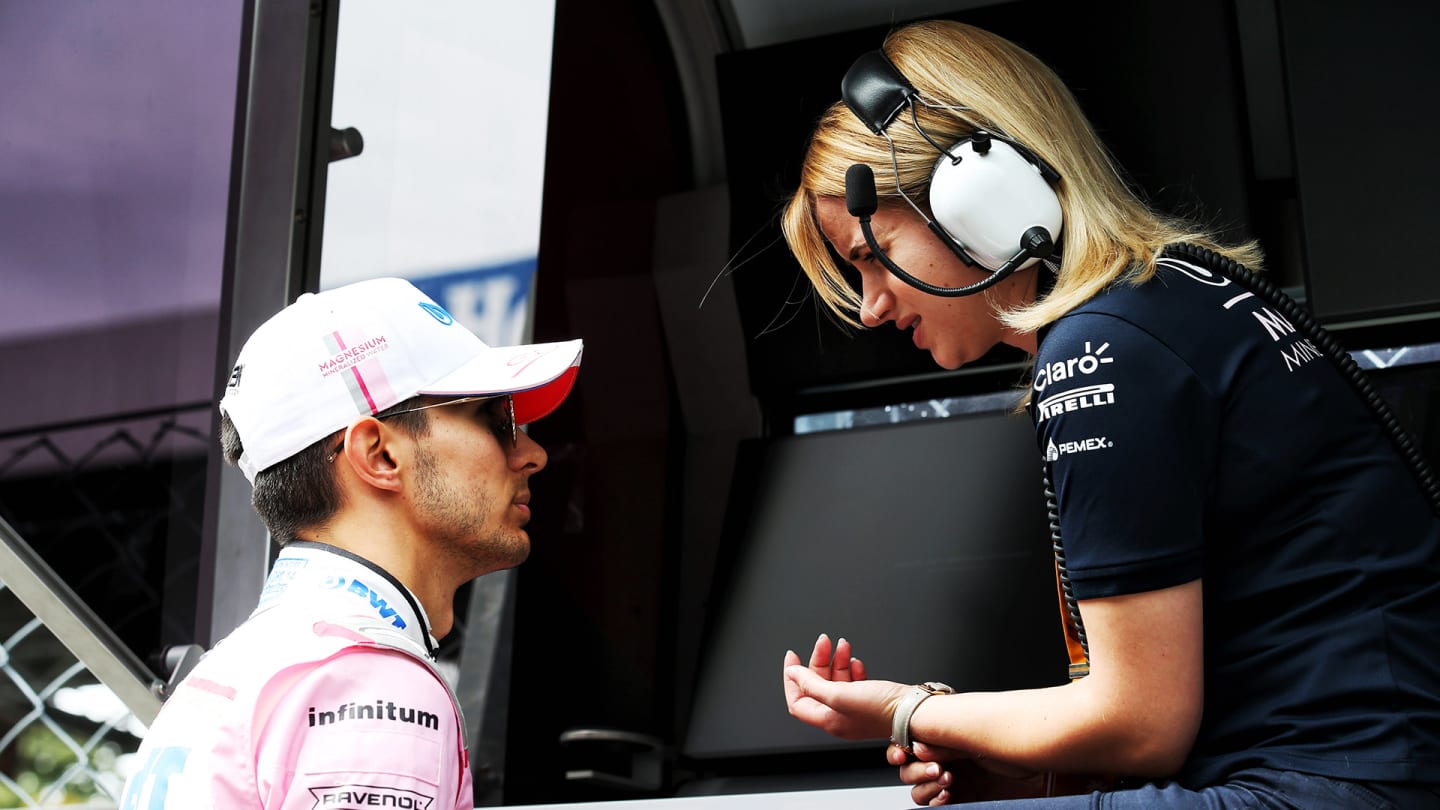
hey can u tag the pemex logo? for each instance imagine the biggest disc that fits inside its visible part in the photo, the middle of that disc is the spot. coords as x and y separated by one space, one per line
1054 451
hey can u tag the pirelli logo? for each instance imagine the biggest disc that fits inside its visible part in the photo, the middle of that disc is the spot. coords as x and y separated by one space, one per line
1077 399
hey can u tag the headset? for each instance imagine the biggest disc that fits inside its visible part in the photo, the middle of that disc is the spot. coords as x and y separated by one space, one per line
993 199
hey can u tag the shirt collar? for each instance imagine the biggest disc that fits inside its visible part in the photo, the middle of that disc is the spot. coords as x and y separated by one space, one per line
326 578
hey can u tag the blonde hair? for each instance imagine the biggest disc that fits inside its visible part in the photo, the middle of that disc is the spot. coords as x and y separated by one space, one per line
1109 233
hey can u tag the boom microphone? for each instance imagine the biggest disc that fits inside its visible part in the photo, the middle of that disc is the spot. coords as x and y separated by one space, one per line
863 202
860 196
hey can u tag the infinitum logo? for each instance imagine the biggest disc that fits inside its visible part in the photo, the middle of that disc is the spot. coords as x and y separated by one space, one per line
382 710
1054 451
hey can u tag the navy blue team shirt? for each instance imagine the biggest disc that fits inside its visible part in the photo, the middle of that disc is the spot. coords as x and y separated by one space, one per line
1192 433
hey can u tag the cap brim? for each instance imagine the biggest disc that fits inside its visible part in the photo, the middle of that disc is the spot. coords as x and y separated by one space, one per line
539 376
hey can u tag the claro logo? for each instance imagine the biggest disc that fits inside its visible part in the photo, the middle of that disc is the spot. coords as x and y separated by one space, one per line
1087 363
1084 396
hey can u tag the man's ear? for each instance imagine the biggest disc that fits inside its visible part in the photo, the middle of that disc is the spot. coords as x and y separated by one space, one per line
370 454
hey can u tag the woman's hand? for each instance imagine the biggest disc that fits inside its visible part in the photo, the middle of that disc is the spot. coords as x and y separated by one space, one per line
833 694
839 664
939 776
927 774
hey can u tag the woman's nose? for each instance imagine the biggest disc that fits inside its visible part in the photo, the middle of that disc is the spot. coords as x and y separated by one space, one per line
876 302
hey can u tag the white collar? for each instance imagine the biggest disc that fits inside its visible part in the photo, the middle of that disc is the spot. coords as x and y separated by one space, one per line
321 577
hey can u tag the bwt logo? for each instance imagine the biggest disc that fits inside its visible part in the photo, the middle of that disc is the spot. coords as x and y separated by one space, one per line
358 797
1087 363
382 607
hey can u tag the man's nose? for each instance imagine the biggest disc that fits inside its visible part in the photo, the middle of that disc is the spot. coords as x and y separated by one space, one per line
527 453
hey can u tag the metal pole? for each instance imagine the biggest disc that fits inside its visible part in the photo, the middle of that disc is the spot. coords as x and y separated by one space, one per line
71 621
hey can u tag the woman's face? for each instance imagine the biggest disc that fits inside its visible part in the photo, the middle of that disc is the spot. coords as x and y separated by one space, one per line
955 331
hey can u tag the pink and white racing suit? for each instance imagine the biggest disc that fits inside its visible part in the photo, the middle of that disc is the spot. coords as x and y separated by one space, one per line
326 697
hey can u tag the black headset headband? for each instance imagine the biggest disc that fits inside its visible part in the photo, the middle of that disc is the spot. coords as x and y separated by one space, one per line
876 93
875 90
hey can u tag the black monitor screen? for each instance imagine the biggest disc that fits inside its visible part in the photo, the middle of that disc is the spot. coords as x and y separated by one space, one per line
1368 221
924 543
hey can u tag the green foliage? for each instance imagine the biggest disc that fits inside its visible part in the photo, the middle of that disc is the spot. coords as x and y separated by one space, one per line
41 759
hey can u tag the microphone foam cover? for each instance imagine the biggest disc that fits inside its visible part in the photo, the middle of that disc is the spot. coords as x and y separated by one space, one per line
860 196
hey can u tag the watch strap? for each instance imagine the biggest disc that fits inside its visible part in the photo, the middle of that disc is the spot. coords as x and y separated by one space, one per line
905 709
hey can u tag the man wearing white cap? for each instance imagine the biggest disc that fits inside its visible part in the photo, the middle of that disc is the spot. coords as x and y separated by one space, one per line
382 442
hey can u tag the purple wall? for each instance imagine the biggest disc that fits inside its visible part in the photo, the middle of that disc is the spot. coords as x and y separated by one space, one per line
116 126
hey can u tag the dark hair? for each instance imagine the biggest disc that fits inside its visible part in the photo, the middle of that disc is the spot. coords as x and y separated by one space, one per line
300 492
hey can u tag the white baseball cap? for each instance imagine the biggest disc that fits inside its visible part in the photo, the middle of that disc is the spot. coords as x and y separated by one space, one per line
335 356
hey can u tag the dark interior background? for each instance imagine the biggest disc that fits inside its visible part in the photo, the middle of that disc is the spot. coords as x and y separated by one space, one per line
1215 110
674 137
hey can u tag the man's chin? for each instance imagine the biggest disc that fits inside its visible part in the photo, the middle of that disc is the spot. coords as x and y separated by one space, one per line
500 551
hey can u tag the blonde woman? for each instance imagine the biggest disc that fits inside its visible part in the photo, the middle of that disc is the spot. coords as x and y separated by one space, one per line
1251 556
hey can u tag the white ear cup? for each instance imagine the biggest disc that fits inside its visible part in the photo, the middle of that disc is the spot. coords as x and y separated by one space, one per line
988 200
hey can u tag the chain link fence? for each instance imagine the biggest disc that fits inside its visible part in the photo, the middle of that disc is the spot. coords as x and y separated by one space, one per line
67 737
115 507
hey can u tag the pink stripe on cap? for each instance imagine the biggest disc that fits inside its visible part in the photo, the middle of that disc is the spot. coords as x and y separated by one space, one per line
373 382
370 380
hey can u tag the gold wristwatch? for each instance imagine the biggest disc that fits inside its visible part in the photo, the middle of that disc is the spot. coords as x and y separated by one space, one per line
900 722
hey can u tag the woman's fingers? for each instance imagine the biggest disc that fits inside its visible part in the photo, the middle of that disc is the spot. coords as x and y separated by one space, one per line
840 662
919 773
835 660
932 793
792 689
820 656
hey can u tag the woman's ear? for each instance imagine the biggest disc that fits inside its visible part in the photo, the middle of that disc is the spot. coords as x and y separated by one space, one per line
370 454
